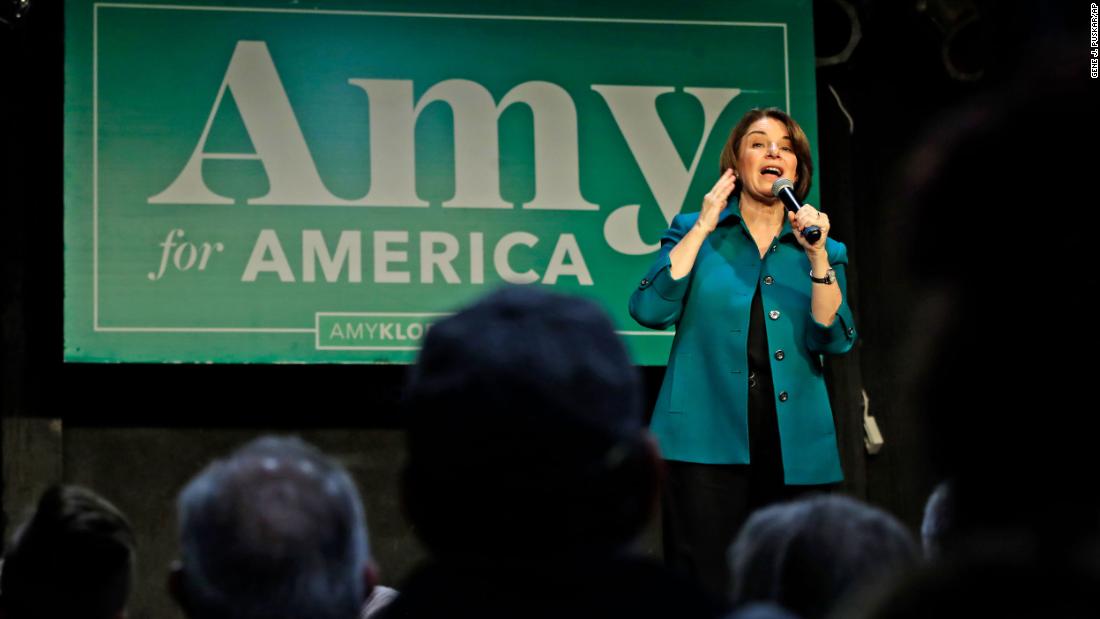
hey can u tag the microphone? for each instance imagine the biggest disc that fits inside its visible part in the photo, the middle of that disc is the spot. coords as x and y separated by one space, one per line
784 190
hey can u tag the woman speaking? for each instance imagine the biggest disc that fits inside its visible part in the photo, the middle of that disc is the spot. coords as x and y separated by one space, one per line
743 417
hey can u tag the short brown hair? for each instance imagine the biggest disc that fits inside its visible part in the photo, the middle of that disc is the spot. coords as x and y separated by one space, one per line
799 142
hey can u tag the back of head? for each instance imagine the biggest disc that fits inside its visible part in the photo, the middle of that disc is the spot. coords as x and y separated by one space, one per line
525 431
834 547
756 553
276 530
762 610
73 558
1000 374
937 526
994 581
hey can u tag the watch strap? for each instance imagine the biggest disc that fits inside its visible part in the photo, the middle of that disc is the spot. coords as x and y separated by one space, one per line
830 277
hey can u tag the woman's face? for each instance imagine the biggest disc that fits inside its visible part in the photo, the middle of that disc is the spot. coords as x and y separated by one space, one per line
766 155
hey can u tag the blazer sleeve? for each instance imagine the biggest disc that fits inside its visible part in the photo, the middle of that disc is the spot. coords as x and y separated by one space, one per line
659 299
837 338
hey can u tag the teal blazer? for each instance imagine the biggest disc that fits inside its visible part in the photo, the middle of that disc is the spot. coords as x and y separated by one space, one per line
701 413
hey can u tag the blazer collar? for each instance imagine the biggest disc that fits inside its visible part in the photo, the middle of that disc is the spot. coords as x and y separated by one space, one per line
732 214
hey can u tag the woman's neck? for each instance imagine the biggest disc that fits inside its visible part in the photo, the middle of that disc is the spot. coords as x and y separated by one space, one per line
757 214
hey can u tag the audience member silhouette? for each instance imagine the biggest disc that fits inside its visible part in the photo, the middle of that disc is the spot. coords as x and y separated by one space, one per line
530 472
936 526
276 530
73 558
809 555
1000 367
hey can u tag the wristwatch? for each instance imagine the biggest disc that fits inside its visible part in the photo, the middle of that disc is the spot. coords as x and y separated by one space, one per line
830 277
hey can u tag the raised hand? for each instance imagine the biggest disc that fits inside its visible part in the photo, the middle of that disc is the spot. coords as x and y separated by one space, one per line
716 200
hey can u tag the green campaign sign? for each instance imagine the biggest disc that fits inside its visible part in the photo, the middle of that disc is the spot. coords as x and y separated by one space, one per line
260 182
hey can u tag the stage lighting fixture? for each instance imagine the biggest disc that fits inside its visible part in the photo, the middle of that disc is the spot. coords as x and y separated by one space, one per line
11 11
961 49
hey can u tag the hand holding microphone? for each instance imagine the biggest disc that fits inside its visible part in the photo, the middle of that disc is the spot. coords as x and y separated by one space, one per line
784 190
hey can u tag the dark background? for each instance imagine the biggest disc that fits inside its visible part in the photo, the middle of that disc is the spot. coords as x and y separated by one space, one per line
137 432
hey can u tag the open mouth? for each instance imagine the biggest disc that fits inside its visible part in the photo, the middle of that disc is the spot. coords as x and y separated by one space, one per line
772 171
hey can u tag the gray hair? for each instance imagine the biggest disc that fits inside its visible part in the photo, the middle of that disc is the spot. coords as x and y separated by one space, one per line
277 531
809 555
